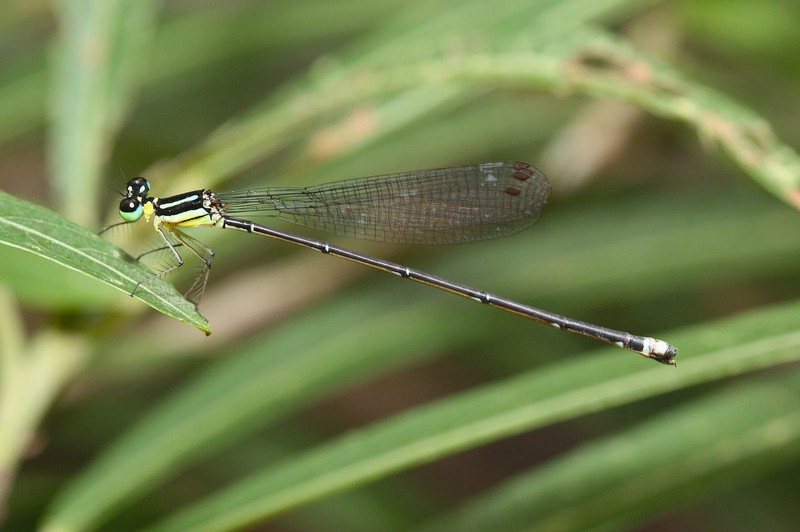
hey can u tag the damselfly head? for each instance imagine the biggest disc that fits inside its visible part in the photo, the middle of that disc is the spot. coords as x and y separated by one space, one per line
131 209
138 188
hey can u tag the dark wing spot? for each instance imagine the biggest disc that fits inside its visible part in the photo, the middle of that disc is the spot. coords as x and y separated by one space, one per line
523 171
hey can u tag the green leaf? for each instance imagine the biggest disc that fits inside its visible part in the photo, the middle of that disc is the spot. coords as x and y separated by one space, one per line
101 48
614 481
42 232
563 391
46 285
600 63
257 383
32 377
408 60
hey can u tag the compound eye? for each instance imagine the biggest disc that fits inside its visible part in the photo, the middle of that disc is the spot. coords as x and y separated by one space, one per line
130 210
138 187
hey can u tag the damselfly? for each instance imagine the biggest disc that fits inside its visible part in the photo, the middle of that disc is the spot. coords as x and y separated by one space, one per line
447 205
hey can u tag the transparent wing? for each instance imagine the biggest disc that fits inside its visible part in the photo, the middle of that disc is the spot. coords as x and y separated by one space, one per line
442 206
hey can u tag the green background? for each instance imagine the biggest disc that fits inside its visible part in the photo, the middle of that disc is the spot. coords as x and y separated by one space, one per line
333 398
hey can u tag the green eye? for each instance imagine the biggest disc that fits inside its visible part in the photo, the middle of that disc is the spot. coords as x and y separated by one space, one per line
130 210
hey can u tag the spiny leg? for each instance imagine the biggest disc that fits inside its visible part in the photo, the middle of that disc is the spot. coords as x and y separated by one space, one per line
112 226
158 249
200 250
170 246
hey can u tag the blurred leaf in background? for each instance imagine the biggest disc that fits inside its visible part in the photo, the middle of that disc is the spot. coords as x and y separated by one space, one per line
332 398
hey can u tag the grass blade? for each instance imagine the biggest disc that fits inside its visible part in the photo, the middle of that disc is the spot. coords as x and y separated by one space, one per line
97 64
564 391
671 459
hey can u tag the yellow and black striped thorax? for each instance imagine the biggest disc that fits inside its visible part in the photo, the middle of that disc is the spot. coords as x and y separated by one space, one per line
189 209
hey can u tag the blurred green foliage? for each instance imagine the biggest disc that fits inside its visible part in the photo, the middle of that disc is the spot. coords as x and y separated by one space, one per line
331 398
